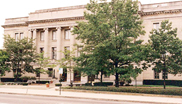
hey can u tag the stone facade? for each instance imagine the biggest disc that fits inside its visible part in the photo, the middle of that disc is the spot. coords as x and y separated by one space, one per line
42 24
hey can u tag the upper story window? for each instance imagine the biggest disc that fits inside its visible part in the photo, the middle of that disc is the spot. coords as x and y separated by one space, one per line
16 36
156 26
21 35
54 50
67 34
42 36
53 35
79 51
156 74
67 51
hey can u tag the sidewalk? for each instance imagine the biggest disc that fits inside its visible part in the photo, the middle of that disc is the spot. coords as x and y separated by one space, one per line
43 91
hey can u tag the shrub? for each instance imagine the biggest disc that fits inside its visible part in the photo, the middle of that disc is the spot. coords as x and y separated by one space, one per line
42 82
160 82
24 78
132 90
24 84
58 84
103 84
87 84
7 79
32 78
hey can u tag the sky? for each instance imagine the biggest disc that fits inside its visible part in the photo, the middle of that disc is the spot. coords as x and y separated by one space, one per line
21 8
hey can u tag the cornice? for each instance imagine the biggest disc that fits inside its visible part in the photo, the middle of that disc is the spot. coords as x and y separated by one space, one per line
56 20
161 12
82 18
44 21
15 25
59 9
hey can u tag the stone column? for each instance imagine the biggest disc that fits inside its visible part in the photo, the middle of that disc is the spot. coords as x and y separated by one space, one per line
46 42
29 33
58 33
34 37
72 39
70 75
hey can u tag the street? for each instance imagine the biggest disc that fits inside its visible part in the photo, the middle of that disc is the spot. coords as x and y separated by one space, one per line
28 99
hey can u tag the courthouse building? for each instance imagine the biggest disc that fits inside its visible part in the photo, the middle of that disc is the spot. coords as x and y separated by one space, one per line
51 30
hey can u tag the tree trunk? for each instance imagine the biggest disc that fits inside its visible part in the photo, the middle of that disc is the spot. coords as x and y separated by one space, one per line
116 77
39 78
17 75
164 79
91 82
164 72
135 82
117 80
101 77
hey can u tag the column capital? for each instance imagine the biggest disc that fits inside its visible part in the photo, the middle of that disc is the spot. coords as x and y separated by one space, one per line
33 29
71 27
58 28
46 29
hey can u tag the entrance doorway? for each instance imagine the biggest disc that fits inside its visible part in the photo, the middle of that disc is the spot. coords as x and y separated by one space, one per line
64 75
77 76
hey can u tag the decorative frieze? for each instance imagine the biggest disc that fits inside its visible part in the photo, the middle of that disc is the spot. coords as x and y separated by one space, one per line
56 20
161 12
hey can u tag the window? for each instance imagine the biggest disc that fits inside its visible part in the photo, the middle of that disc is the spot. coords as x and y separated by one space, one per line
165 75
67 34
41 50
16 36
21 36
79 51
156 74
31 34
67 51
54 50
42 36
53 35
156 26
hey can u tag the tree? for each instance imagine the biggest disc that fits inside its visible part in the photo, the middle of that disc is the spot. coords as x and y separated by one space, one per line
67 61
42 63
166 50
4 65
91 63
112 29
21 55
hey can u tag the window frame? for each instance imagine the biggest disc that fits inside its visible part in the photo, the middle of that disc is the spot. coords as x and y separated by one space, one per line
41 49
156 26
16 37
67 36
54 35
21 35
54 53
79 49
165 75
42 35
65 49
156 75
